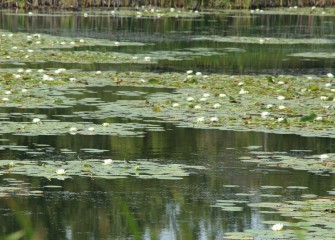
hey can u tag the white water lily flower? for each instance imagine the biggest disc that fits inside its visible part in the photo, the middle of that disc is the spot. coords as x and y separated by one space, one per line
8 92
108 161
323 98
47 77
190 99
216 105
60 70
240 83
222 95
295 7
189 72
323 156
281 83
281 98
242 91
328 85
280 119
318 118
60 171
269 106
313 7
105 124
91 129
147 59
85 15
98 72
73 129
265 114
203 99
281 107
175 105
206 95
81 40
37 120
24 90
5 99
197 107
198 74
72 43
214 119
20 70
330 75
171 9
30 50
72 79
200 119
40 70
277 227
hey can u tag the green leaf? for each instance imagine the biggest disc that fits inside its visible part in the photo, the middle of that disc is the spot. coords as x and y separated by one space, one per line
154 81
309 118
270 79
314 88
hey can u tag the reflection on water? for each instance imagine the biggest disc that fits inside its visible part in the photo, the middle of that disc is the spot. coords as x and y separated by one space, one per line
89 208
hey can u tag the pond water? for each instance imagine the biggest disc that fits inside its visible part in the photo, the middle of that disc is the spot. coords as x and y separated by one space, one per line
84 207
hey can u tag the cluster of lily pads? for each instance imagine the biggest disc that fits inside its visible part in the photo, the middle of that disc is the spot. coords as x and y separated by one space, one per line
304 218
280 104
323 164
142 12
12 186
94 168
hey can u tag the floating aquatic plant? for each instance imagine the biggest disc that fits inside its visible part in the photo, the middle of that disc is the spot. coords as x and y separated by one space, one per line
319 164
108 169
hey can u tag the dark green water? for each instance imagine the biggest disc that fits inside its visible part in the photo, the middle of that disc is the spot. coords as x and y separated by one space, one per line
89 208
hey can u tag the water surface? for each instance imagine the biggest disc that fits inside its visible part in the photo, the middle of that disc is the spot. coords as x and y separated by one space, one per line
93 208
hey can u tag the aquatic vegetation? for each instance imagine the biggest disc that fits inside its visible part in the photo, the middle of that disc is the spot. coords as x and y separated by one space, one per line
248 103
94 168
319 164
277 227
234 39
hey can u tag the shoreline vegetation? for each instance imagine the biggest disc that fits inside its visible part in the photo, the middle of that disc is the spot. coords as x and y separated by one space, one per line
195 5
